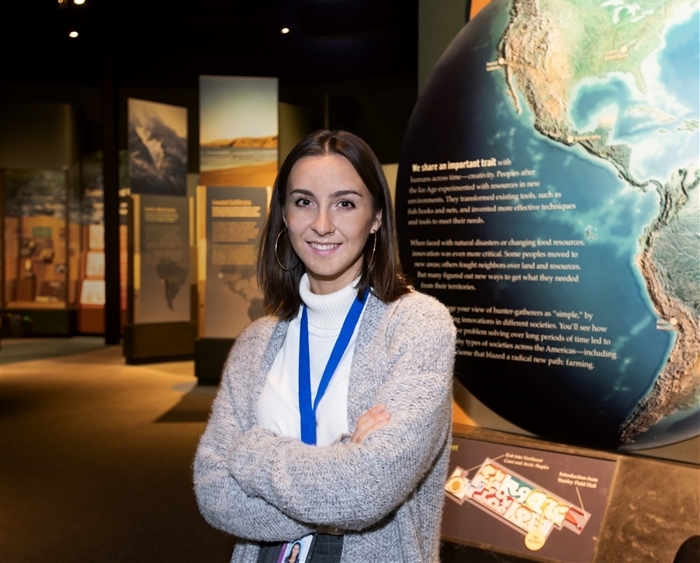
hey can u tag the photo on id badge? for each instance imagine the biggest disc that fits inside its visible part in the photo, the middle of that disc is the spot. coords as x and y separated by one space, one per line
296 551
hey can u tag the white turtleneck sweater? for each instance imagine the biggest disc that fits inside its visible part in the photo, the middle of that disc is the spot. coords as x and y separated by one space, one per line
278 405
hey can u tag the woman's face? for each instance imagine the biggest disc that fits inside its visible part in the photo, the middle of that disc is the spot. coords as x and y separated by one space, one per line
295 551
329 213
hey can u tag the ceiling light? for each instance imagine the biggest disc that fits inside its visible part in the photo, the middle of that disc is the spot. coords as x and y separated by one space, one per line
73 34
284 30
79 2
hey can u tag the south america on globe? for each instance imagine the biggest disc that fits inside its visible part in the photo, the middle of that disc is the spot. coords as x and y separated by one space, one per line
549 194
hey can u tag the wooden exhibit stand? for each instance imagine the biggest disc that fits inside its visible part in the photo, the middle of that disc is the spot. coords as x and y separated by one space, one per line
209 357
162 332
45 321
159 342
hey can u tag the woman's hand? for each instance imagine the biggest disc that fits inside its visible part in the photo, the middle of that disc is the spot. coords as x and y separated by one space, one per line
374 418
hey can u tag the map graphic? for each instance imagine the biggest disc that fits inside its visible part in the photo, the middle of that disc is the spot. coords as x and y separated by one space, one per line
515 501
548 194
161 261
233 220
524 500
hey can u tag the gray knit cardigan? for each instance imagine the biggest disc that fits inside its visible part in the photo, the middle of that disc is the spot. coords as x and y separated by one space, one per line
386 493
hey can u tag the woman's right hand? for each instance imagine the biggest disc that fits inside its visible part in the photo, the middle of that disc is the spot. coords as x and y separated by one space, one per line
374 418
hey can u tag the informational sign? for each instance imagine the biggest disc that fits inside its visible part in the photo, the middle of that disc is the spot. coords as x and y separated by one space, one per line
157 148
95 264
548 193
96 237
238 131
526 500
229 225
161 259
92 292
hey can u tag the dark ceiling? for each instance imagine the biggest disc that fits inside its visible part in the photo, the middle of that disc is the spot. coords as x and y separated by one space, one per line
169 43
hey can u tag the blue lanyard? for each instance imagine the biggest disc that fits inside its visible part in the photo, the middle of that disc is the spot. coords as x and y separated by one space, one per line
307 410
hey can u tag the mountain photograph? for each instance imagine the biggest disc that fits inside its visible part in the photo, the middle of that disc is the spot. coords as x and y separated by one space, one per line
157 148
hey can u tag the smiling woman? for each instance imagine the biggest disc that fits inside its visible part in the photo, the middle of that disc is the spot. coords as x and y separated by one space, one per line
351 361
340 168
329 214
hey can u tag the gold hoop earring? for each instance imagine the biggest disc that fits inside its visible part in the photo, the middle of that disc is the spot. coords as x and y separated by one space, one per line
277 256
374 248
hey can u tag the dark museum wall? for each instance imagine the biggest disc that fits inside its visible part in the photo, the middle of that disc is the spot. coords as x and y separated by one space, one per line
37 135
349 64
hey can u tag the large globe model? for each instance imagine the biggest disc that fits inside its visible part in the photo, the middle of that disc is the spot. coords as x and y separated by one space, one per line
548 194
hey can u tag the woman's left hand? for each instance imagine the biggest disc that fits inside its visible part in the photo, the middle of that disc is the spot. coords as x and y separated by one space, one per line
374 418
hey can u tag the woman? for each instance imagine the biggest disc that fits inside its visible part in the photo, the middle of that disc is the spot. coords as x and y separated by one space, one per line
293 556
371 488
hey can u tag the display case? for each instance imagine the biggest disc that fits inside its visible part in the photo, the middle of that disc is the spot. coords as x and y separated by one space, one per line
91 284
41 247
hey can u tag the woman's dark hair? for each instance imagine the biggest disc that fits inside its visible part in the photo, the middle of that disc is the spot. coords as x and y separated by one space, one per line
384 276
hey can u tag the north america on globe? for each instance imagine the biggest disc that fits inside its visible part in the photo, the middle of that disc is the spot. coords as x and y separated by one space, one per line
555 151
546 61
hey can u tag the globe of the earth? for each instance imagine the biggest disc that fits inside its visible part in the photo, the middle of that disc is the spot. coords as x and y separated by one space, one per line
548 194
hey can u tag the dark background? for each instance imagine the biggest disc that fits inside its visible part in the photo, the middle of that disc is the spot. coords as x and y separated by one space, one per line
349 63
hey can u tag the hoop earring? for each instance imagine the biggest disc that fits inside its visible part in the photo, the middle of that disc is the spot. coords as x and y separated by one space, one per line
277 256
374 248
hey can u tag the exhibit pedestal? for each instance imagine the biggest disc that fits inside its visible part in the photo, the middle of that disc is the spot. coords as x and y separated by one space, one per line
91 319
209 357
650 508
45 322
159 342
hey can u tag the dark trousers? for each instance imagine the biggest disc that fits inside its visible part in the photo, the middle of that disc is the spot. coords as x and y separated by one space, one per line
327 549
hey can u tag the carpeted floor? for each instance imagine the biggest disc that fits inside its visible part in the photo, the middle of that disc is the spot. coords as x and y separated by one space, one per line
24 349
95 457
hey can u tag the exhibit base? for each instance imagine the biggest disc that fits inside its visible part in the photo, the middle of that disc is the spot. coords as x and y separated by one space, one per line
91 319
159 342
209 357
622 508
42 322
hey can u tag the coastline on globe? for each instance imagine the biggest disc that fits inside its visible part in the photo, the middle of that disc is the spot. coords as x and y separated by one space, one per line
548 194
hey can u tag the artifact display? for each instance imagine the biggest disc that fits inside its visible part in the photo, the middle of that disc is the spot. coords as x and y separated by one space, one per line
40 240
92 284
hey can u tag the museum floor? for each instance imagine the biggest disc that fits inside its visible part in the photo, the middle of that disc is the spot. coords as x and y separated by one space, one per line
96 455
95 458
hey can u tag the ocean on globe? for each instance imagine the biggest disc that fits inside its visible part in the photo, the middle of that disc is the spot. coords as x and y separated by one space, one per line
548 194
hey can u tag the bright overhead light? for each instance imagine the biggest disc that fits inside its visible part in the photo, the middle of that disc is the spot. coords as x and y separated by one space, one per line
79 2
73 34
285 30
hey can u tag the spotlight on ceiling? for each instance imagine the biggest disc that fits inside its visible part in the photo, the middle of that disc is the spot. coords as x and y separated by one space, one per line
73 34
284 30
79 2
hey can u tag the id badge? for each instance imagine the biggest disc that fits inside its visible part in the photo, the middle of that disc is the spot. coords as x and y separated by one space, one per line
297 551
